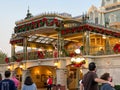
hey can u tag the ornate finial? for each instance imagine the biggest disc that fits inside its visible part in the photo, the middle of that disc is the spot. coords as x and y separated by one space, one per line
29 15
28 10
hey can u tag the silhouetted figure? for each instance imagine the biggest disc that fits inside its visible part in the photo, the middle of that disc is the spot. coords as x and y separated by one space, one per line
7 83
49 82
16 81
101 52
0 76
106 86
28 84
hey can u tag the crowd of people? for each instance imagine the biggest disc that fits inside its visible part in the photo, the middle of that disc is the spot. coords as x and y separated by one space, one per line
89 81
12 83
8 83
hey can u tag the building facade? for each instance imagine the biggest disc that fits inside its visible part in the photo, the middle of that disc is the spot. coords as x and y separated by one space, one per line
48 42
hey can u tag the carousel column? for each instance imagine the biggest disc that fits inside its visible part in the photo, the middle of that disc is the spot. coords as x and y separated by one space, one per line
25 51
102 19
59 45
83 39
87 42
12 50
61 77
63 53
107 46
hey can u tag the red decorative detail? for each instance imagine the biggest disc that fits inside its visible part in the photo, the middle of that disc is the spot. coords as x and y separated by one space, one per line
63 32
16 41
55 53
108 32
72 54
7 60
79 64
33 24
19 59
40 55
44 20
80 28
116 34
55 20
73 30
116 48
90 28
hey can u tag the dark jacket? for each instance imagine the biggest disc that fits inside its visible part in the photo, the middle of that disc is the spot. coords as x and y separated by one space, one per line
7 84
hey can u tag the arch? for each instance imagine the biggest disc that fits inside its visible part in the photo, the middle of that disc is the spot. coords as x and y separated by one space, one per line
40 74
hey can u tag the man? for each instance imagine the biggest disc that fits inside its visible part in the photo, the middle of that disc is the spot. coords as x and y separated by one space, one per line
7 84
90 79
49 82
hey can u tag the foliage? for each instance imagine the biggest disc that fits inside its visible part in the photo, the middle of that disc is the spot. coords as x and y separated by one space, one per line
65 52
117 87
2 57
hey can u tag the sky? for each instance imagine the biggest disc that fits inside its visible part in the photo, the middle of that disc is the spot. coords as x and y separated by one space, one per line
14 10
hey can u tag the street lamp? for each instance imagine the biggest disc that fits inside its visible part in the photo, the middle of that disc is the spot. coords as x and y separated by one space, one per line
77 51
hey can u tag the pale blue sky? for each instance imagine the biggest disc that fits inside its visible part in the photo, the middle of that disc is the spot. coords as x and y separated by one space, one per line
14 10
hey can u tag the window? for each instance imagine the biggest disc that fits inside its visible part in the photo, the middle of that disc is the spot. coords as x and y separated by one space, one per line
112 18
108 2
114 1
96 20
91 16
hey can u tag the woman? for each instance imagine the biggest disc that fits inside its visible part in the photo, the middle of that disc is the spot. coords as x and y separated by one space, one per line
28 84
15 81
106 86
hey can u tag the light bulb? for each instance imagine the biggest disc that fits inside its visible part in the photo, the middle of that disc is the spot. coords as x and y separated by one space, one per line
77 51
72 59
78 60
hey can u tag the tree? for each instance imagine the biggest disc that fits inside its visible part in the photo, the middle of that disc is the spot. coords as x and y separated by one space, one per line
2 57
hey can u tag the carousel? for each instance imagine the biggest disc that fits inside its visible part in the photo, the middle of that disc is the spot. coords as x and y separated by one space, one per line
54 36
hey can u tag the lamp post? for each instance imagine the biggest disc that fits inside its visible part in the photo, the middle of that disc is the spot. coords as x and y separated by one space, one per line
77 61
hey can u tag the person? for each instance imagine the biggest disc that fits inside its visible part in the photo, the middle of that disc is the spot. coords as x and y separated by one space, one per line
28 84
0 76
49 82
106 86
55 53
101 52
81 86
7 83
15 80
90 79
